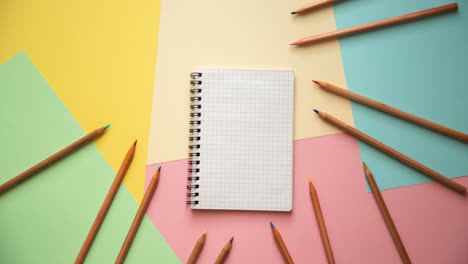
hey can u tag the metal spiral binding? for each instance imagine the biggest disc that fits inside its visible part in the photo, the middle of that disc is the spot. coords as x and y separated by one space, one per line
195 130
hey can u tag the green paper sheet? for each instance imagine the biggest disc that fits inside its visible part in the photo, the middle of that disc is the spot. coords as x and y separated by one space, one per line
46 218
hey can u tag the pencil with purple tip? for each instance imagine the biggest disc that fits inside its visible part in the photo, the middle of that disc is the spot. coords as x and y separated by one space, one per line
459 188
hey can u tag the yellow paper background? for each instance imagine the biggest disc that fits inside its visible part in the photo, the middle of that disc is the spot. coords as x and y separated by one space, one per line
241 34
99 57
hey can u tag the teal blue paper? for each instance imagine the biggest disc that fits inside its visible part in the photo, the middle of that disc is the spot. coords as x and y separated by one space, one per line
420 67
46 218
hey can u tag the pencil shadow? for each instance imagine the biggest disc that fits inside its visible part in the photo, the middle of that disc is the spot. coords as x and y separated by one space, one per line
242 213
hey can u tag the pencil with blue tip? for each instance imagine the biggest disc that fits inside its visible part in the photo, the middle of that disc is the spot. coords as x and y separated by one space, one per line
281 245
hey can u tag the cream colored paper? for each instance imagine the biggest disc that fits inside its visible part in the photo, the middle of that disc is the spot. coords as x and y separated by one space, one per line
241 35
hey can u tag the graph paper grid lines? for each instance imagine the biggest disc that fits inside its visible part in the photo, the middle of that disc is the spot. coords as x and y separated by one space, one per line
246 140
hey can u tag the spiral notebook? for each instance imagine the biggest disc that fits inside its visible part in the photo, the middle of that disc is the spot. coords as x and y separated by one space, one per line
241 142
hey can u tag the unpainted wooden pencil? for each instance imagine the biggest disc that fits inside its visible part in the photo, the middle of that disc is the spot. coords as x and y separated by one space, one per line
391 152
106 204
321 223
281 245
386 215
50 160
197 249
393 111
224 252
313 6
377 24
138 217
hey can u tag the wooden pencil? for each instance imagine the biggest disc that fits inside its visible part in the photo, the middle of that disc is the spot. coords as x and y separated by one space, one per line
391 152
224 252
321 223
281 245
55 157
378 24
386 215
393 111
138 217
197 249
313 6
106 204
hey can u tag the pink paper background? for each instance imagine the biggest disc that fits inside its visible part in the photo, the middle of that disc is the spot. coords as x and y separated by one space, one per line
432 220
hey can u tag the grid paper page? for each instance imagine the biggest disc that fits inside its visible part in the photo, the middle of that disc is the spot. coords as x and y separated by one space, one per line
246 145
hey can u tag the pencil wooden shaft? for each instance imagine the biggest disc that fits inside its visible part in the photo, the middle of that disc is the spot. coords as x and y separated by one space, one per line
197 250
315 5
106 204
393 153
387 217
379 24
138 217
224 253
395 112
48 161
283 249
321 224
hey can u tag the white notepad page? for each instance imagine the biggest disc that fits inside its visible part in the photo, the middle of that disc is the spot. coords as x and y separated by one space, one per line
246 140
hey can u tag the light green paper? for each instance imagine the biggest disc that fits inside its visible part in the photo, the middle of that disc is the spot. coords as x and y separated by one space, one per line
46 218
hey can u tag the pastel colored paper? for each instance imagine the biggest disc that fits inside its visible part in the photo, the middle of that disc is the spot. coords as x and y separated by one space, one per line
419 67
99 57
429 217
239 35
46 218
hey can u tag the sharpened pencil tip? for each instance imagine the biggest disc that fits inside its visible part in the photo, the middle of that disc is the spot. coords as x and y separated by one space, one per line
365 166
310 180
159 169
317 82
316 111
134 143
232 239
272 225
107 126
293 13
